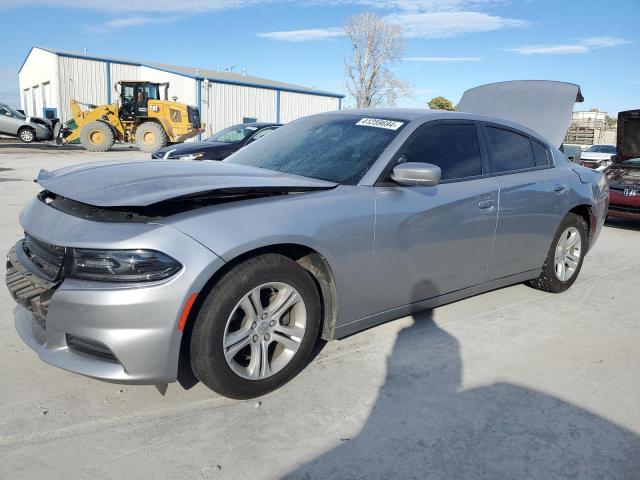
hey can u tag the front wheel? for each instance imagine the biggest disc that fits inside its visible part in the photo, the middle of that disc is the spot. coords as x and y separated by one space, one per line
564 260
27 135
150 136
257 327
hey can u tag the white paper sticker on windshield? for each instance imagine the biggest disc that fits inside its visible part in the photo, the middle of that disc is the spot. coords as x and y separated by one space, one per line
380 123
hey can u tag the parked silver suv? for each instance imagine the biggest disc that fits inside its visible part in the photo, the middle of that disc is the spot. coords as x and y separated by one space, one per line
28 129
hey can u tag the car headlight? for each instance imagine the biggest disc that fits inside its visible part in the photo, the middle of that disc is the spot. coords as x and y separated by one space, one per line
189 156
121 265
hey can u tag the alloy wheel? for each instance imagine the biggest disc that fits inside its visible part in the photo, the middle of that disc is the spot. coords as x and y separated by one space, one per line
265 330
567 255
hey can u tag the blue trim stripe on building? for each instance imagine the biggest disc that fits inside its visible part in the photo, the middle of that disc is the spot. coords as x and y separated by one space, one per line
277 106
199 101
108 82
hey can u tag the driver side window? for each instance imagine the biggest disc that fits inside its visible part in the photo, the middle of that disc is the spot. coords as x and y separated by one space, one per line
452 147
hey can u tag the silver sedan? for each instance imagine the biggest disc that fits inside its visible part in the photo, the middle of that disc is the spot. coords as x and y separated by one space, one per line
229 272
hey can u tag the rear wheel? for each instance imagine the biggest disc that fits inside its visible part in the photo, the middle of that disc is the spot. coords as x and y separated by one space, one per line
257 327
97 137
564 260
27 135
150 136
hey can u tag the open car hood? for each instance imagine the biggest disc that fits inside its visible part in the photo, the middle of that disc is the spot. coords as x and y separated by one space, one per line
543 106
144 183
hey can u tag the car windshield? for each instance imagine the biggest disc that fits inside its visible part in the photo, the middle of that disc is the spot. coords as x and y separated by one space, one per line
337 148
15 113
235 134
601 149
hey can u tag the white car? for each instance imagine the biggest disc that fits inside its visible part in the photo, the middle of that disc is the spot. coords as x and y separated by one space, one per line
598 156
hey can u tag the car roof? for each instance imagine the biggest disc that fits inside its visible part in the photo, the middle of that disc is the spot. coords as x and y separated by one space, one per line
423 114
260 124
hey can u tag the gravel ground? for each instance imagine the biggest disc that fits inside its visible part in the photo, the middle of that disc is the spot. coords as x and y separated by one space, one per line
515 384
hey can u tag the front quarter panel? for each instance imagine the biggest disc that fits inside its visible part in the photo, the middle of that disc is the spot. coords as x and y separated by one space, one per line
337 223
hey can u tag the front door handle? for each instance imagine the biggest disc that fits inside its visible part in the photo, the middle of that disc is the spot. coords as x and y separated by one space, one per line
560 189
486 204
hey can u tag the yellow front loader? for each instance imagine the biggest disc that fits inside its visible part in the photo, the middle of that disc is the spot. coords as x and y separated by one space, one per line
141 118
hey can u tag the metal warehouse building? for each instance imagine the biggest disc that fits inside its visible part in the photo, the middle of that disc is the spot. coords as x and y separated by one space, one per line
49 79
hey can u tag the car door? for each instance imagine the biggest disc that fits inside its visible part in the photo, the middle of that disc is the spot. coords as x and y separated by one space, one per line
532 200
432 240
7 122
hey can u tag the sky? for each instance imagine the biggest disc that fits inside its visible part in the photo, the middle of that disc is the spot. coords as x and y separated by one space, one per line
451 45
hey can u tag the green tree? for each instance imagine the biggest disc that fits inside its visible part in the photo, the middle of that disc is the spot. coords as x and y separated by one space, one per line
440 103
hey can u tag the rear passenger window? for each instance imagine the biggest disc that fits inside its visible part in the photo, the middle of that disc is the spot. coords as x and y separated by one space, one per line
540 153
452 147
509 151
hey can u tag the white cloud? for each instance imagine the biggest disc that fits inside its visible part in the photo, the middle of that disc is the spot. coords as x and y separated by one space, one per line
450 24
304 35
582 46
425 19
443 59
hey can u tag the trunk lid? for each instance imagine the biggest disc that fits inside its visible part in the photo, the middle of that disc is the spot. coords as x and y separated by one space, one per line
543 106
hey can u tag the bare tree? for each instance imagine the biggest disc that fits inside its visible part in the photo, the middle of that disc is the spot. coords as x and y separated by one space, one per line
376 45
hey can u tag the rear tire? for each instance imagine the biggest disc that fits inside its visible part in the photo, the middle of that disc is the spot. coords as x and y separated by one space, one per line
97 137
279 336
150 136
565 257
27 135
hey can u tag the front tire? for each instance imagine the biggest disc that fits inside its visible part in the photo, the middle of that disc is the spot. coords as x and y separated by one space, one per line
565 257
97 137
150 136
27 135
257 327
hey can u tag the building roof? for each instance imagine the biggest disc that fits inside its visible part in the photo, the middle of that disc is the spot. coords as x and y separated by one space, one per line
196 73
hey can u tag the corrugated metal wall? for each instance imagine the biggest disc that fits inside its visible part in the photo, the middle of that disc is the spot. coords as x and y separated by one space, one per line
83 80
221 104
185 88
296 105
119 72
225 105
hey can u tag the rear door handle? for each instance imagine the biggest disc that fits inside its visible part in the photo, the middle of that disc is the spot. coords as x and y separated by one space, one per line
560 189
486 204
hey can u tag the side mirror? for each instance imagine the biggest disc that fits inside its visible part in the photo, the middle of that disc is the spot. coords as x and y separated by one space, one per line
415 173
8 114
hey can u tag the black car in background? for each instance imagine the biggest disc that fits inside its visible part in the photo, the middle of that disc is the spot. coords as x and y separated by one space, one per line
219 146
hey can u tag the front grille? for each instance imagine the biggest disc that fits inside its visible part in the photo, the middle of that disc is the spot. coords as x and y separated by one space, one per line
90 348
624 208
194 116
47 258
31 291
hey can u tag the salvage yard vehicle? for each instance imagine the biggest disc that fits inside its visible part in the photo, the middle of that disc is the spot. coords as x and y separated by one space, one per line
142 117
628 135
624 186
572 151
598 156
220 145
27 129
331 224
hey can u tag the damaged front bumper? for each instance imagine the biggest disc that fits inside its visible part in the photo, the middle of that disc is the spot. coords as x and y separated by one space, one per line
122 333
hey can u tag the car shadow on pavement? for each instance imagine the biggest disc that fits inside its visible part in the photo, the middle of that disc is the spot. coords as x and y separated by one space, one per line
622 223
424 426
